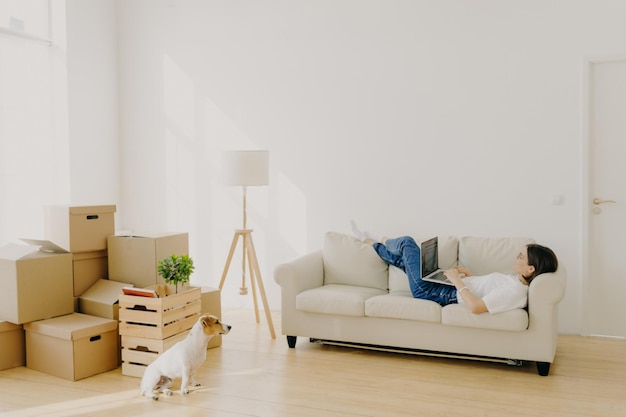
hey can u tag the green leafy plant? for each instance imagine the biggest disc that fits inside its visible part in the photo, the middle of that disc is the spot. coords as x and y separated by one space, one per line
176 269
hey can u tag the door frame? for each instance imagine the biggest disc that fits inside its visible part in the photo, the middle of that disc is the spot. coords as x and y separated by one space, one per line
586 302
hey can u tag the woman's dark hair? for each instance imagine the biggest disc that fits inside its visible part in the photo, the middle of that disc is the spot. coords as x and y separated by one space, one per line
542 258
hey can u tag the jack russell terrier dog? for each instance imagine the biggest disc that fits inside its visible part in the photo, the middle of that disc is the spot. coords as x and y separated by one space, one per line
182 360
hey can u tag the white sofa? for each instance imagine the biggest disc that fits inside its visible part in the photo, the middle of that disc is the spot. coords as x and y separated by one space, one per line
346 293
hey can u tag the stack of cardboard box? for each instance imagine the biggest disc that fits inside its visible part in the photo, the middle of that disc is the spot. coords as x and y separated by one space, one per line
82 231
61 295
41 283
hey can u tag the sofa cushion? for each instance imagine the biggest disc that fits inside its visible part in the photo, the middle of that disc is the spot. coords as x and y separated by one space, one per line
398 281
348 261
345 300
459 315
447 253
402 306
485 255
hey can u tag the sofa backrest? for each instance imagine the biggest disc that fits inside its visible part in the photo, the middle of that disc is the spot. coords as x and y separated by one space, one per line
348 261
483 255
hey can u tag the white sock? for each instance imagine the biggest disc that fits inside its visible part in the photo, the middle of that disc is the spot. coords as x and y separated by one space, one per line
372 236
363 235
357 232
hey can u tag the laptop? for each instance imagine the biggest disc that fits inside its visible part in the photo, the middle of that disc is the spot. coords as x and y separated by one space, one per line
430 262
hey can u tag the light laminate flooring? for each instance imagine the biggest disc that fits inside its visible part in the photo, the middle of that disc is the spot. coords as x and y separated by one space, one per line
253 375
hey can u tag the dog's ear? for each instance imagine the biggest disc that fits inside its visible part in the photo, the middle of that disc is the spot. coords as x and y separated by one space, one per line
207 321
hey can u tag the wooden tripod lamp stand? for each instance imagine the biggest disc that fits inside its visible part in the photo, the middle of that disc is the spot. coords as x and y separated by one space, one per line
247 168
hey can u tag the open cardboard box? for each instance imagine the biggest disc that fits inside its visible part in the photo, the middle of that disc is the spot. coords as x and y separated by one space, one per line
102 299
36 282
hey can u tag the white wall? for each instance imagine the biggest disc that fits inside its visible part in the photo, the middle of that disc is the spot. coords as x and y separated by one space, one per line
412 117
34 145
92 102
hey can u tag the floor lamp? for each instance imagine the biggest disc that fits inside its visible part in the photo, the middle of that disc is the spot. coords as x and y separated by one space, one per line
245 169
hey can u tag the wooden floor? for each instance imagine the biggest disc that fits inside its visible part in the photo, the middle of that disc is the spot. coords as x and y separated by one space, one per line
253 375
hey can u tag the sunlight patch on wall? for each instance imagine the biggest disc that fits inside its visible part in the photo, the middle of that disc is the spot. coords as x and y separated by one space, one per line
178 98
179 106
292 214
220 131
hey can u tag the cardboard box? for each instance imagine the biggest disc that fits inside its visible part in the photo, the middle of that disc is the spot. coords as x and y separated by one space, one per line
73 347
162 317
35 284
102 299
139 352
212 304
89 267
12 342
134 259
79 228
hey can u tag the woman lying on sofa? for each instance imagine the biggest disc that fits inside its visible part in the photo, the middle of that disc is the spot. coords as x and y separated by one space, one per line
493 293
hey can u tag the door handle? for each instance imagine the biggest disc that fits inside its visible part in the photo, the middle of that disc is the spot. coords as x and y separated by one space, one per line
597 201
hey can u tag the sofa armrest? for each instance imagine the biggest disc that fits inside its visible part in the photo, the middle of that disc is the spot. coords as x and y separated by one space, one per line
548 288
544 295
301 274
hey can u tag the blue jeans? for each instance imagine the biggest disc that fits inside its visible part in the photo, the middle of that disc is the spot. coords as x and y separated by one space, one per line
404 253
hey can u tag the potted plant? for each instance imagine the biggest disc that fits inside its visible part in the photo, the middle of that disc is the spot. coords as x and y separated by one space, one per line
175 269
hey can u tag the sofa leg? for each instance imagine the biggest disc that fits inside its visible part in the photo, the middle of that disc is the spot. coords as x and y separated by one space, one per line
291 341
543 368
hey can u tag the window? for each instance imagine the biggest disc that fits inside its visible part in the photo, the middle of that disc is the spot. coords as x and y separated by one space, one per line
33 145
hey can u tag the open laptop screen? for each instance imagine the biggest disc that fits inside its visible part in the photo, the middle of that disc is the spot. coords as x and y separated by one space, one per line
430 260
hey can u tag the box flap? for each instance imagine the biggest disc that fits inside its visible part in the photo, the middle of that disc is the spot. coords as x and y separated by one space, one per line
45 245
5 326
13 251
92 209
104 291
72 326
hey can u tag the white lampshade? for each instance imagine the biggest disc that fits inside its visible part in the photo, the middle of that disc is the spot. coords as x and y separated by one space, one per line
247 168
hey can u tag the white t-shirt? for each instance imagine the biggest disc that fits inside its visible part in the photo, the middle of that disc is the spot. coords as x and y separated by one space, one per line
500 292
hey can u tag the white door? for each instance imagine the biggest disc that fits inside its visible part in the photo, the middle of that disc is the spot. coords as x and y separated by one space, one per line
606 281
